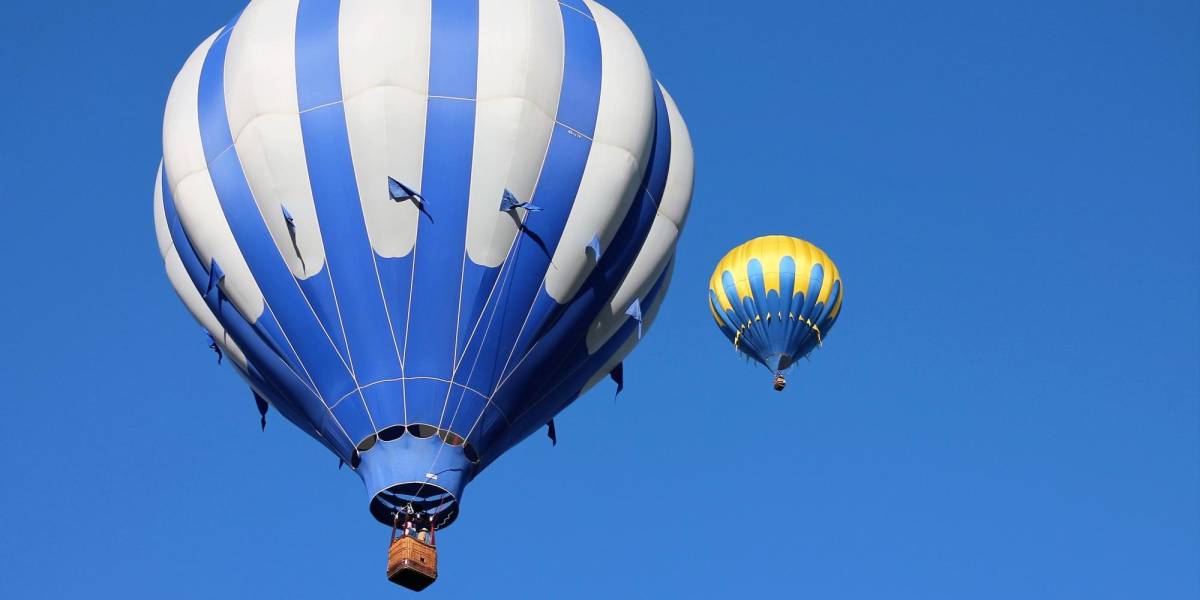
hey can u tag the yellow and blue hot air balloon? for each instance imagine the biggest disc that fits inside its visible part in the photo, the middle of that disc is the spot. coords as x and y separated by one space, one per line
776 298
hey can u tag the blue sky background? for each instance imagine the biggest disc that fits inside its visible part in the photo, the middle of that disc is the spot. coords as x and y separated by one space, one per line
1008 408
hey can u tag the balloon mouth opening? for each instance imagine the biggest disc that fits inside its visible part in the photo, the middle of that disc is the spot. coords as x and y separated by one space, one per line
779 362
420 469
425 497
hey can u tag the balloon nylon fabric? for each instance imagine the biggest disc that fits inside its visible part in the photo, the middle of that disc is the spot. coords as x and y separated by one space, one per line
419 336
775 298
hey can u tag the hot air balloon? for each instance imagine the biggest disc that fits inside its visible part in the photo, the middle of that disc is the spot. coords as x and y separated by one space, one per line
776 298
419 229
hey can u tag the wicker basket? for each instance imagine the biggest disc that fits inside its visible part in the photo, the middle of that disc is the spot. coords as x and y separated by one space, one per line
412 564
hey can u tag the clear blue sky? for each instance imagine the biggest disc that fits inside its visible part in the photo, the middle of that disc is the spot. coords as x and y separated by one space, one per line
1008 408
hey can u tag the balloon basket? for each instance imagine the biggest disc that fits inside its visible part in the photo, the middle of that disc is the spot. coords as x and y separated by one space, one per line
412 563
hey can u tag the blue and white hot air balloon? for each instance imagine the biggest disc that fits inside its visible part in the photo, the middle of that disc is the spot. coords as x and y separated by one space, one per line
419 229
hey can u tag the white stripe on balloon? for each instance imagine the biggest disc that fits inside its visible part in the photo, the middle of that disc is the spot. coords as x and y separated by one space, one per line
620 152
520 78
384 57
192 188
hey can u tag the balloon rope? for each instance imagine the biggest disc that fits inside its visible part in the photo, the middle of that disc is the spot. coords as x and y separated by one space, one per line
433 531
516 244
395 522
453 376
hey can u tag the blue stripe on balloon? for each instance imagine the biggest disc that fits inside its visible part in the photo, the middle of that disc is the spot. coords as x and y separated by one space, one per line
491 286
787 281
446 184
819 318
758 289
756 302
787 287
215 135
625 245
798 304
757 277
580 99
318 70
729 286
495 312
795 325
319 290
660 154
753 333
799 327
285 382
279 287
350 261
551 399
776 326
396 276
525 295
454 49
196 272
566 326
265 329
270 332
782 325
577 5
773 305
476 317
743 314
477 308
466 411
835 294
807 342
557 187
758 299
807 339
815 279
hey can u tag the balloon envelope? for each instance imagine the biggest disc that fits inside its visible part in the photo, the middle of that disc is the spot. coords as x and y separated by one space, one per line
416 227
776 298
